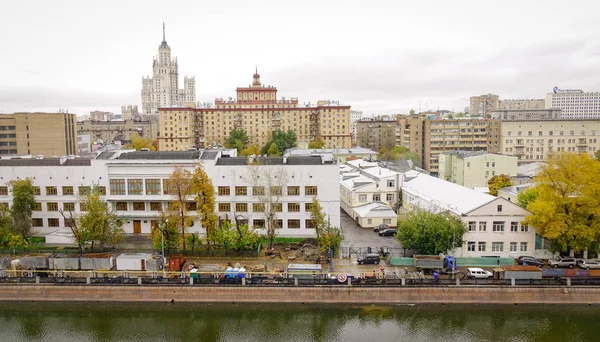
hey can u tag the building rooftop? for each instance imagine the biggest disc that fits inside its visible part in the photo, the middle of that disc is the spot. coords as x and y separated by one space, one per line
361 163
379 172
529 170
446 195
312 160
355 182
515 189
467 154
45 162
159 155
375 209
336 151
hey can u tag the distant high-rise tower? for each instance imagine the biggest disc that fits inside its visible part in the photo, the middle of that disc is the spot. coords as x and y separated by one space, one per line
161 90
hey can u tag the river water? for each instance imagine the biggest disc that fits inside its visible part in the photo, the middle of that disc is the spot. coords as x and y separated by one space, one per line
266 322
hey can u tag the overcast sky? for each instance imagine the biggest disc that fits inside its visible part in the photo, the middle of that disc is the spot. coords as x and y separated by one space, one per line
380 57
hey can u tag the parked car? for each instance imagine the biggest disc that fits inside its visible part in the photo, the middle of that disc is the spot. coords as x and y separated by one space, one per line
478 273
563 262
388 232
588 264
529 260
381 227
368 259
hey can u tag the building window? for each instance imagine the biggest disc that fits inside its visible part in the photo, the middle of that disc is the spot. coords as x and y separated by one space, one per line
241 191
52 206
278 224
121 206
155 206
498 226
524 228
514 226
497 246
293 207
513 247
152 186
310 190
168 187
37 206
481 246
117 187
192 206
387 221
482 226
500 208
67 190
85 190
139 206
224 191
391 183
258 191
37 222
308 207
276 191
389 197
369 221
135 186
471 246
241 207
258 223
472 226
277 207
51 190
523 246
3 191
362 198
258 207
309 224
36 190
293 224
293 191
69 206
224 207
53 222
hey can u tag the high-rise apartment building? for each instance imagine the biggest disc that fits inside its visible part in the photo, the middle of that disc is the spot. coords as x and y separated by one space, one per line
355 116
483 104
257 111
514 104
161 90
429 138
117 130
574 103
129 112
47 134
375 133
532 141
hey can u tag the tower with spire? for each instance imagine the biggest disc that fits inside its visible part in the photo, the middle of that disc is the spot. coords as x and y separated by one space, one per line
162 89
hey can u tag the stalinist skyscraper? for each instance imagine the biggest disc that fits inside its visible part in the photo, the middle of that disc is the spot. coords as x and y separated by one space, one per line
161 90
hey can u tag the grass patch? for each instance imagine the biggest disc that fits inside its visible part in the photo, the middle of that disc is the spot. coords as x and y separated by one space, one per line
37 240
265 241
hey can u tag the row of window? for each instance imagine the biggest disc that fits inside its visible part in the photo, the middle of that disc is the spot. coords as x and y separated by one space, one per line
497 226
362 198
496 246
541 133
53 190
260 207
260 190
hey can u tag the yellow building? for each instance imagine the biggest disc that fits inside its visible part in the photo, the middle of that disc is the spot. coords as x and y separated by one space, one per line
532 141
482 105
473 168
257 111
48 134
116 130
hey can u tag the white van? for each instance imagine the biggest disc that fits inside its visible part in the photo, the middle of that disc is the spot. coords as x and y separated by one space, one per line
478 273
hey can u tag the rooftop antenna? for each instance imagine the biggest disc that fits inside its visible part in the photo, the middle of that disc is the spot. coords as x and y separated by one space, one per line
164 31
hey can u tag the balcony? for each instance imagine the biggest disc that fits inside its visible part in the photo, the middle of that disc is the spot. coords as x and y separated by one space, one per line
581 142
520 143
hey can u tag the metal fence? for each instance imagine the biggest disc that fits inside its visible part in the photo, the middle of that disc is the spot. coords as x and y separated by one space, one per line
199 252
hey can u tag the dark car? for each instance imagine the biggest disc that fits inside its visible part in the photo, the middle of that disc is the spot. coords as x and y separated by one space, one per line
529 260
387 232
381 227
369 259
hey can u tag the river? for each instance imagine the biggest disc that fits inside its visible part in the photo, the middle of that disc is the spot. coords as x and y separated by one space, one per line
35 321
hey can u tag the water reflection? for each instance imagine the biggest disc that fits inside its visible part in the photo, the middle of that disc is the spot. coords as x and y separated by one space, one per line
221 322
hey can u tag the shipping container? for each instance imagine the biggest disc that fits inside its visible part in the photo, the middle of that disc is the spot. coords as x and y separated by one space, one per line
35 261
132 262
176 262
594 273
97 261
573 273
553 272
518 272
63 262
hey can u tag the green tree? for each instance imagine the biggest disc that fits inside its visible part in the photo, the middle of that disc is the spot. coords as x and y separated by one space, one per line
138 142
527 196
411 112
5 225
238 139
99 222
397 153
22 206
165 231
317 143
273 150
179 187
328 237
597 155
204 194
498 182
250 150
224 235
283 140
566 210
429 233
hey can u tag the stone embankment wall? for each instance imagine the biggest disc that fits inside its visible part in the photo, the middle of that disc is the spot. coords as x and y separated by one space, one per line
337 294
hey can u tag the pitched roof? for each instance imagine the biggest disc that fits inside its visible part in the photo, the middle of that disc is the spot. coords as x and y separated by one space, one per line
379 172
375 209
357 182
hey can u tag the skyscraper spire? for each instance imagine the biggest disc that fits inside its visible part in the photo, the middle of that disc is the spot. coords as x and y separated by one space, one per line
164 40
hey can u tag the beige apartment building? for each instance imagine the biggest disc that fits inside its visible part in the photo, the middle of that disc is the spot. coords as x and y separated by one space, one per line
47 134
117 130
532 141
474 168
376 133
430 138
258 111
514 104
526 114
483 104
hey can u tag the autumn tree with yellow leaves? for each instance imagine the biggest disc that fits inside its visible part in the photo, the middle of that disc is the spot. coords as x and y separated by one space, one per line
566 208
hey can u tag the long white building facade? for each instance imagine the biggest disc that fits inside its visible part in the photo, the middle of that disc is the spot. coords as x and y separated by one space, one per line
134 183
574 103
161 90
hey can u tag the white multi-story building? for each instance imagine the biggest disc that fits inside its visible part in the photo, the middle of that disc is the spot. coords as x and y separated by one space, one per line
134 184
355 116
493 223
515 104
161 90
84 144
130 112
574 103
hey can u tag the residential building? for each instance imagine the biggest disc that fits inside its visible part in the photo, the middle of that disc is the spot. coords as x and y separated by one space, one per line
375 133
493 223
430 138
574 103
129 112
162 89
369 193
47 134
257 111
136 187
532 141
474 168
519 104
526 114
84 144
340 154
482 105
116 131
355 116
98 115
511 193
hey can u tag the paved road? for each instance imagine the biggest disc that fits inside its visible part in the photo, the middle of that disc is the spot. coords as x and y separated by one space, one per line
355 236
